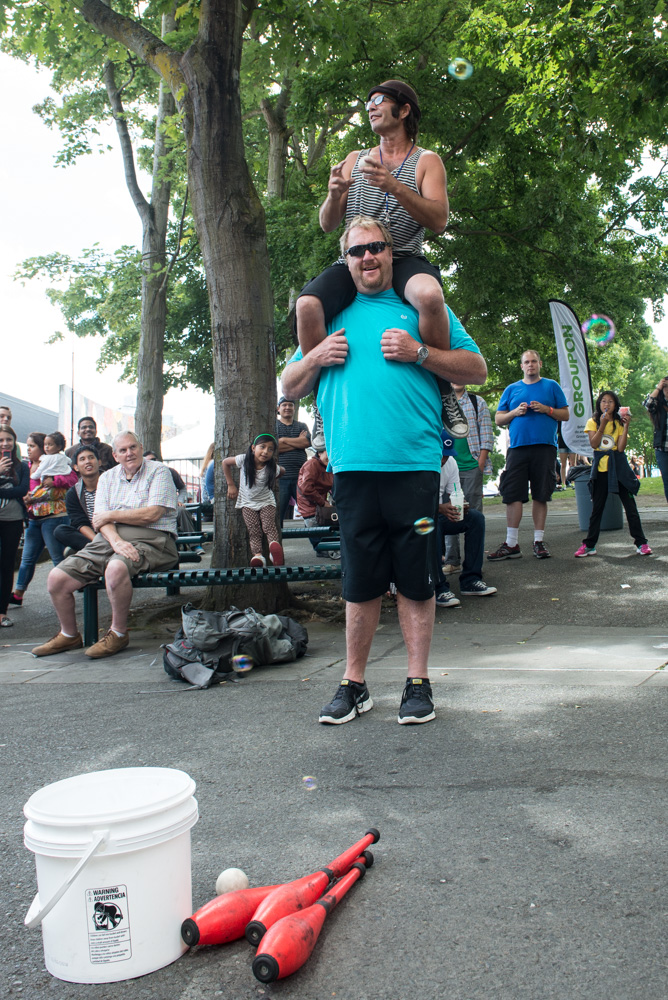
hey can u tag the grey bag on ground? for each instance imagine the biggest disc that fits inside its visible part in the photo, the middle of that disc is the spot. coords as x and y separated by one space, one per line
203 648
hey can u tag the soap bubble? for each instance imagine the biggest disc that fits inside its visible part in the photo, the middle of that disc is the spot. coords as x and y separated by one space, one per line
309 783
460 68
423 525
242 664
599 329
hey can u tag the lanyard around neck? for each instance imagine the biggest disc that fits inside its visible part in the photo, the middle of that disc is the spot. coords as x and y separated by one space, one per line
385 215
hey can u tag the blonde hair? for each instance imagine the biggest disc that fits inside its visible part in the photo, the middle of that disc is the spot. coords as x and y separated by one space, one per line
364 222
207 458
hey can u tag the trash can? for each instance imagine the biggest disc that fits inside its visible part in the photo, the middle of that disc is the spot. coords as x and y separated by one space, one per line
613 512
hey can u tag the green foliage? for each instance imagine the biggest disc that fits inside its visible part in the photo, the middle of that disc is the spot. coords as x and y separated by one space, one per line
98 294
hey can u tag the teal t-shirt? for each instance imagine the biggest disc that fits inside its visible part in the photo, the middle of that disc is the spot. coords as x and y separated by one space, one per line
378 415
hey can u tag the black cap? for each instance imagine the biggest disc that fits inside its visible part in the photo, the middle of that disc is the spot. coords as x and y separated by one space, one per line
401 93
284 399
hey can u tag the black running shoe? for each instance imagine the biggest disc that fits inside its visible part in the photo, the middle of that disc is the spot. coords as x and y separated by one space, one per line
540 550
351 699
417 704
452 415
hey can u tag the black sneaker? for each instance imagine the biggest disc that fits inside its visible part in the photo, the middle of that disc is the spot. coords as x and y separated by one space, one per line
351 699
417 704
454 418
540 550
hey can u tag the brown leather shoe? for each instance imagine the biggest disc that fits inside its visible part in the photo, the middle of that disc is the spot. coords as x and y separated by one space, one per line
109 644
59 644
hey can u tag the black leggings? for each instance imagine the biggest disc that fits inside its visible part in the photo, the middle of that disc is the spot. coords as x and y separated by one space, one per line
10 536
599 496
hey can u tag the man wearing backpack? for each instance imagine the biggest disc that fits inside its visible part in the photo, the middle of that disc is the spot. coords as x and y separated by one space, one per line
472 457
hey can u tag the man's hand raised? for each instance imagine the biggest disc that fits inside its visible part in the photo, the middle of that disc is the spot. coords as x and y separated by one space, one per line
338 184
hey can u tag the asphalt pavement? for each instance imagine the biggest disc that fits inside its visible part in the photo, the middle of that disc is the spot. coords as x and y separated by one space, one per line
522 849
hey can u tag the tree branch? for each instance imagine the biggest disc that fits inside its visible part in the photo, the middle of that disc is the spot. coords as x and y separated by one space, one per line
168 269
462 142
127 151
162 59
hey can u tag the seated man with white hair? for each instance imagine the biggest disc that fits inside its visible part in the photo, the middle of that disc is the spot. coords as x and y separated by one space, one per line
135 523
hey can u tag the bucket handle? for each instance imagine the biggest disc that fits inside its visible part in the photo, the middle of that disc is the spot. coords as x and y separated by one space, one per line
35 916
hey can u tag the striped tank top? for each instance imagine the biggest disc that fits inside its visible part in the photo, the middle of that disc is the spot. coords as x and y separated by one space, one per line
363 199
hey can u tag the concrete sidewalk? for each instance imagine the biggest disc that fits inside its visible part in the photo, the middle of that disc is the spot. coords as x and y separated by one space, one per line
522 832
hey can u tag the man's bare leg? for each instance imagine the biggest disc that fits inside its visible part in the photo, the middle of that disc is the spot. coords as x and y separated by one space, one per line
426 295
61 587
514 514
119 590
311 329
416 619
361 624
539 514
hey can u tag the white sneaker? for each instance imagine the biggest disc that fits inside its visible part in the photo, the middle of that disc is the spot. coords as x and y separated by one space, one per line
452 568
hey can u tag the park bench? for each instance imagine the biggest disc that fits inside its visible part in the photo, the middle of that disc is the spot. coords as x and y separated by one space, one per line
172 580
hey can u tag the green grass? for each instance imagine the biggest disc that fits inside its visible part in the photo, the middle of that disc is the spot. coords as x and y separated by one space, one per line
651 487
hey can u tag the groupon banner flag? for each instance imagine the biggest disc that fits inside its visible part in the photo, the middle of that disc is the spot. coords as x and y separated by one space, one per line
574 376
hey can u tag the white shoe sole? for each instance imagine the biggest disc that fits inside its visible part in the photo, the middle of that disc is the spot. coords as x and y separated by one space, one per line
358 710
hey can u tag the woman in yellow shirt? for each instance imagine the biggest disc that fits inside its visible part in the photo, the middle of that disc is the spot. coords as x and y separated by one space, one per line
611 472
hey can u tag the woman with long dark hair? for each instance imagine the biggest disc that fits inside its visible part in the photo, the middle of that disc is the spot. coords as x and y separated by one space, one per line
14 483
611 472
46 510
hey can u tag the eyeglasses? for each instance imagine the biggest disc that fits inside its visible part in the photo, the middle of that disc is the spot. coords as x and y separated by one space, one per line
358 251
377 100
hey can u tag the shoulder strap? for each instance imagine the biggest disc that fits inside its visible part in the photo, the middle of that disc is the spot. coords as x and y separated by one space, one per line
474 399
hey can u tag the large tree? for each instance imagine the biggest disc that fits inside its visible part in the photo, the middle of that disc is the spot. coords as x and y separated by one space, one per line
229 218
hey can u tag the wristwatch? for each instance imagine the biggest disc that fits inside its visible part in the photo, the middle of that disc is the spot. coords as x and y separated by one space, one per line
422 354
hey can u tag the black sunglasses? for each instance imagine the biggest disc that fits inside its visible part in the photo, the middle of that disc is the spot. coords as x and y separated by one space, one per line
358 251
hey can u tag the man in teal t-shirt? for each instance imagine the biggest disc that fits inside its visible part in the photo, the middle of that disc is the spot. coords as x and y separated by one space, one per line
381 413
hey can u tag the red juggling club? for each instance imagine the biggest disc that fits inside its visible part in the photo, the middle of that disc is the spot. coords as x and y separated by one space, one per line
290 942
304 891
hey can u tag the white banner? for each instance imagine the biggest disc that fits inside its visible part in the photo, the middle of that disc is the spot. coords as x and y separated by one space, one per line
574 376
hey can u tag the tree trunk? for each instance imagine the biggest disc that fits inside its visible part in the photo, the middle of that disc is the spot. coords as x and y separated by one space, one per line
230 225
275 115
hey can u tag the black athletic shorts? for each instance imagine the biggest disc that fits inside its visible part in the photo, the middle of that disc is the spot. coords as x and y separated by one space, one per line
379 545
532 463
336 289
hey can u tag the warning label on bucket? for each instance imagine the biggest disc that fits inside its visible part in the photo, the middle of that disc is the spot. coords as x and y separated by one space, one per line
108 924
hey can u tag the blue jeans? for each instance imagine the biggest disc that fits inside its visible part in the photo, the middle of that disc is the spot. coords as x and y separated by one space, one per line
39 533
287 488
662 462
473 527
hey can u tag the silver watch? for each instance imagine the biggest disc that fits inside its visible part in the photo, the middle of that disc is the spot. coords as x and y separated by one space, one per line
422 354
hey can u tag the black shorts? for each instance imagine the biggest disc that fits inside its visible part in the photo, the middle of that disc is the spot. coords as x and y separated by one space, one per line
336 289
532 463
379 545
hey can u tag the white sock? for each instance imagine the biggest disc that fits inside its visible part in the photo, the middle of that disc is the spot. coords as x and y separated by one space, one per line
512 537
116 632
67 635
538 535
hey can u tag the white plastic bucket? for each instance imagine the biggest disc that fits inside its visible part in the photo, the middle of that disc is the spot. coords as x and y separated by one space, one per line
112 852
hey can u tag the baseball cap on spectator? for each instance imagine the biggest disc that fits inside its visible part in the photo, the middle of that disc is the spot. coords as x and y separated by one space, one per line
448 443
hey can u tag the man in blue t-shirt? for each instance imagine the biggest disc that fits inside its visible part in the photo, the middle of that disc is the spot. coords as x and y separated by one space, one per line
531 410
381 412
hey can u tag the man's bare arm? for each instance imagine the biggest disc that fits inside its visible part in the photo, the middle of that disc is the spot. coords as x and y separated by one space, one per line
430 207
300 377
139 516
333 208
459 365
